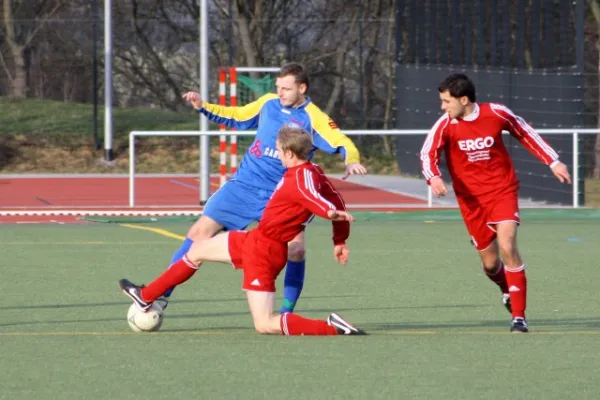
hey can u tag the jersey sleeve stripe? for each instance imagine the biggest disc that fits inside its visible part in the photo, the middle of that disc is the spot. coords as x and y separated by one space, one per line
311 193
332 189
425 159
302 188
524 126
311 185
333 137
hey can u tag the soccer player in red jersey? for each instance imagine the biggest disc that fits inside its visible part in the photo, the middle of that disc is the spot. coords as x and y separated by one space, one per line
262 252
485 182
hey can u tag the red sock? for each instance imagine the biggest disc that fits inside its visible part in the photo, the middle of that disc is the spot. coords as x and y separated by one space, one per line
517 287
294 324
498 276
177 273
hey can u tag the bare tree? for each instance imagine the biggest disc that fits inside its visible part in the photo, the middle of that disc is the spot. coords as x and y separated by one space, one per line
22 21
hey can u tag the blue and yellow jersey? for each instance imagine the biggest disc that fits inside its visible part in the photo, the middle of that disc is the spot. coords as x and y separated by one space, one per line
261 166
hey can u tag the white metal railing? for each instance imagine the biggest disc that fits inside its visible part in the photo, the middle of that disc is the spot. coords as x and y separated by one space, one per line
393 132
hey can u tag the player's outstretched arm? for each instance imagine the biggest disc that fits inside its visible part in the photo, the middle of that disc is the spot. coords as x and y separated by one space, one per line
527 136
561 171
242 118
329 138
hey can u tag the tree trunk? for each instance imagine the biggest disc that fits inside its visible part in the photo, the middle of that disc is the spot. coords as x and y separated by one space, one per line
18 83
387 139
19 39
339 68
18 86
247 45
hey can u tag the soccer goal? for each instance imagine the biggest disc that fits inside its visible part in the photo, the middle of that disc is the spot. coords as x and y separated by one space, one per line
246 84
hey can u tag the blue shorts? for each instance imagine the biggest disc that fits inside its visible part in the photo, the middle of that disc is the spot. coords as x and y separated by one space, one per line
236 205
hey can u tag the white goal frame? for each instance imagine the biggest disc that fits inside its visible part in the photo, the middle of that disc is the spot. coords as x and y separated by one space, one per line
574 165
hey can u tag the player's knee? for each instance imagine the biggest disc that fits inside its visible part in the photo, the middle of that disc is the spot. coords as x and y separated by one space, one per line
508 248
296 252
201 230
197 233
490 265
264 327
196 254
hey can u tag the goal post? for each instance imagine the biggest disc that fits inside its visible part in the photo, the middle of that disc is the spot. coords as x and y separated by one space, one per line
246 84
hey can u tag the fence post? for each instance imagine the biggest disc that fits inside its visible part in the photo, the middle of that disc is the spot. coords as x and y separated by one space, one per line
575 170
131 169
429 197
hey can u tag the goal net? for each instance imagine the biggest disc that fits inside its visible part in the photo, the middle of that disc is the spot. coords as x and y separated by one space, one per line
239 86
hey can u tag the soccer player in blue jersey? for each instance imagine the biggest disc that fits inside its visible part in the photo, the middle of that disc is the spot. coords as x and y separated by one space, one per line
243 198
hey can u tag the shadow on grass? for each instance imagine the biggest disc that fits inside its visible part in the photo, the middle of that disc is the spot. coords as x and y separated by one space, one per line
174 301
559 324
200 315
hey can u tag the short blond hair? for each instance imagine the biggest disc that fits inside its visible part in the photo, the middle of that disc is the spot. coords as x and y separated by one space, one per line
295 139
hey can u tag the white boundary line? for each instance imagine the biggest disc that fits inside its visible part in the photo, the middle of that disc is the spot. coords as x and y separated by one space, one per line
122 207
100 176
123 211
22 213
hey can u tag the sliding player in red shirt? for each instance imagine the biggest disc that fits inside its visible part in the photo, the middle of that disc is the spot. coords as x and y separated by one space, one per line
262 252
485 182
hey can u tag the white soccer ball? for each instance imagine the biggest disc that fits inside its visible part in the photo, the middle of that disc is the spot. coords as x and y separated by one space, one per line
148 321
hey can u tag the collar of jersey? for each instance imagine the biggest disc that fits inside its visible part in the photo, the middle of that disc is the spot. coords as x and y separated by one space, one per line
299 107
474 115
291 169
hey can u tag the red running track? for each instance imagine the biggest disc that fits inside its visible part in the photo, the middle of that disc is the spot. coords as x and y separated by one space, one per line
40 193
52 194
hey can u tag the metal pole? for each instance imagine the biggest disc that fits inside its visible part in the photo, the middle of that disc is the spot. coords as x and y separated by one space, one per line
94 9
204 139
108 118
230 33
580 59
575 170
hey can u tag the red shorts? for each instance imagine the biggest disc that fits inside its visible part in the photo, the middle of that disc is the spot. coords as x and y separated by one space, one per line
481 217
261 258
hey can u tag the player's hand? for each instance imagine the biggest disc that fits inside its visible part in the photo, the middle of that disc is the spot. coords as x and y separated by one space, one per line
354 169
340 253
561 171
437 187
340 216
194 98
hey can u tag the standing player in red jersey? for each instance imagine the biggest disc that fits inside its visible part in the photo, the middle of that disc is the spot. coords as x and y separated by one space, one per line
485 182
262 252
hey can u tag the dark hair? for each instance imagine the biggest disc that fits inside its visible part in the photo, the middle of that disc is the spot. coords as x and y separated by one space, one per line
458 85
295 139
297 70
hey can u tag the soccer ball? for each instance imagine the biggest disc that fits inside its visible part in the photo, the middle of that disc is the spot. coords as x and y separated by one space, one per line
148 321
